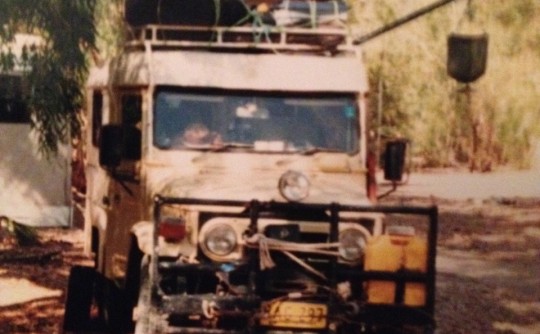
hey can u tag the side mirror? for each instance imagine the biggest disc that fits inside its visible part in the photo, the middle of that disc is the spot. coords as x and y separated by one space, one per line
394 160
131 141
117 143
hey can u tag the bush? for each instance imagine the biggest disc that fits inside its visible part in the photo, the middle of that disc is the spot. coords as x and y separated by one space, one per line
422 102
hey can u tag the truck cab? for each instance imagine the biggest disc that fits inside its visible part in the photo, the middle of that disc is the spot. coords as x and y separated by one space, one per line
227 191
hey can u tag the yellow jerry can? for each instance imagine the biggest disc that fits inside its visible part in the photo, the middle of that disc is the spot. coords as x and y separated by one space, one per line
392 253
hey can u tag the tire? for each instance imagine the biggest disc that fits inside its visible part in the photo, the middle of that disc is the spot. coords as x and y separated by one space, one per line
114 305
146 322
119 302
429 330
133 272
79 299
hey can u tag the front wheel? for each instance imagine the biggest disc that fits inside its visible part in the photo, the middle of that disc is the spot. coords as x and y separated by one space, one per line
148 319
120 300
80 311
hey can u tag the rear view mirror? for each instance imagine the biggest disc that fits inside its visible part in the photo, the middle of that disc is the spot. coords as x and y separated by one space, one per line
394 160
252 110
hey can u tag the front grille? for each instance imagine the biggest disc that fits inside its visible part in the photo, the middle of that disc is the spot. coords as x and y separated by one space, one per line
289 232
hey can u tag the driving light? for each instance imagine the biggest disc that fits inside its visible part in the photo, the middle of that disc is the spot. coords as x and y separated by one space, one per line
221 240
294 186
352 243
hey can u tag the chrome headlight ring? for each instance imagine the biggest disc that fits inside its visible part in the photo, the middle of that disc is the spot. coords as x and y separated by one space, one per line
221 240
294 186
352 244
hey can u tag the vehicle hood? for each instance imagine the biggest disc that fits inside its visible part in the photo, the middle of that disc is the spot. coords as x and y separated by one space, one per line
244 177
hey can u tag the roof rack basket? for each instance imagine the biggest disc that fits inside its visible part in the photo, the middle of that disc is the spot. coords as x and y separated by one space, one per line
276 39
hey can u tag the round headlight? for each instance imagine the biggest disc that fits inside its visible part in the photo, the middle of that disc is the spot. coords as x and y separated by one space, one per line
352 243
221 240
294 186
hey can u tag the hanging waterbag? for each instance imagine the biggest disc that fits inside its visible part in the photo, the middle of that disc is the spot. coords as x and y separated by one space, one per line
467 52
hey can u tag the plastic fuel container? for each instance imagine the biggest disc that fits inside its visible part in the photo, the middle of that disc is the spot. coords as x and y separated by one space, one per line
392 253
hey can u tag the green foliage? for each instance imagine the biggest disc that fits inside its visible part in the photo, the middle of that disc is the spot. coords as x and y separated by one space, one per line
56 68
23 234
520 13
110 27
497 126
420 101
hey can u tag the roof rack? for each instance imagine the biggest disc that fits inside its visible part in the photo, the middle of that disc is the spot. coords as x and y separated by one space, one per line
263 38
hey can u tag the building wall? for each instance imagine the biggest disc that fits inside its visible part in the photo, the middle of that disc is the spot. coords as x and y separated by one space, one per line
33 189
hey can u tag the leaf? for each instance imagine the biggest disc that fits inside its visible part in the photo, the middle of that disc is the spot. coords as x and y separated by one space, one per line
24 234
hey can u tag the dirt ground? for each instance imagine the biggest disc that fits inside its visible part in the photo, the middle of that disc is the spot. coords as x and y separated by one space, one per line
488 254
488 264
33 282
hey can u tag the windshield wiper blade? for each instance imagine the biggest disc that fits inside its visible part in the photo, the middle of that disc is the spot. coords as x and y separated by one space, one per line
314 149
227 146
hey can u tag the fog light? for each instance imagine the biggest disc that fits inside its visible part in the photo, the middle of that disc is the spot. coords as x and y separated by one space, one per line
352 243
221 240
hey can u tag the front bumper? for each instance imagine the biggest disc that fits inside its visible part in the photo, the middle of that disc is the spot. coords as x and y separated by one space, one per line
241 311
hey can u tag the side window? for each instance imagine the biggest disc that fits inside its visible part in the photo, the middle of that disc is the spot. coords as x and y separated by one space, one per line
131 109
97 116
13 109
131 117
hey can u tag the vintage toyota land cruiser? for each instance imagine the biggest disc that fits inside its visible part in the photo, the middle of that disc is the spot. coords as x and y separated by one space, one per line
228 192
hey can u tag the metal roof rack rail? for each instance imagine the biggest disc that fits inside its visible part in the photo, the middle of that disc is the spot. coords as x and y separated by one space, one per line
263 38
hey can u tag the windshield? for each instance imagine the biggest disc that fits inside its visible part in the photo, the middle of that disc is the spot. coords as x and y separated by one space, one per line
261 122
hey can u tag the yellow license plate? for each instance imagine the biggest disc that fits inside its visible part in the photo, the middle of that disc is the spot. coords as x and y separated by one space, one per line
294 315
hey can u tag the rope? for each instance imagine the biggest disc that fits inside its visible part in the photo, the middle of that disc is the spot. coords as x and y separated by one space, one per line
276 244
265 258
266 244
304 265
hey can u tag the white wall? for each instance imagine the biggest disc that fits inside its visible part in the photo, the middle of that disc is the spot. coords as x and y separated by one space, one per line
33 190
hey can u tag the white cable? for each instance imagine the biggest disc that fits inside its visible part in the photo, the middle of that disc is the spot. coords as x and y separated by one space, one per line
304 265
275 244
266 244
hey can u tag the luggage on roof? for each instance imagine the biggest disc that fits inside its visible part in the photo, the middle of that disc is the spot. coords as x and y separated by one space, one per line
310 13
307 13
185 12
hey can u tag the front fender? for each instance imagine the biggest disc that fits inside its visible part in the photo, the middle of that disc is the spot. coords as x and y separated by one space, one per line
144 233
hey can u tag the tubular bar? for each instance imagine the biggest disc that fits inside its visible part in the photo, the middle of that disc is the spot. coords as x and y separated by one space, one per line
269 38
253 209
401 21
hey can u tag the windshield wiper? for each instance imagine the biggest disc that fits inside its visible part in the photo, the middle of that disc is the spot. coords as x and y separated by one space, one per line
314 149
228 146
